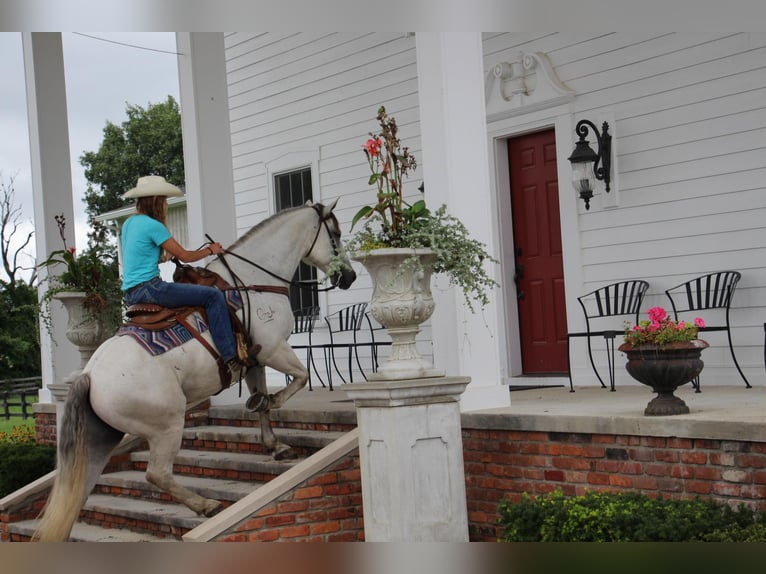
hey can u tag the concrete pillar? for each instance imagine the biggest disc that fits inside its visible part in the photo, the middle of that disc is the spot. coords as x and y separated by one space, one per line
207 146
456 173
51 185
411 455
206 137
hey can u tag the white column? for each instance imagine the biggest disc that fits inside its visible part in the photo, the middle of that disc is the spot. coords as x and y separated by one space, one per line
206 137
456 173
411 459
51 184
207 147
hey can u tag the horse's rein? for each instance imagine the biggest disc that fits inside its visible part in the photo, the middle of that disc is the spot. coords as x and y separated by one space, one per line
313 285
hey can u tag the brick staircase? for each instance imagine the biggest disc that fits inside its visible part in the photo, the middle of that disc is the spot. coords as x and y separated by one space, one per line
221 457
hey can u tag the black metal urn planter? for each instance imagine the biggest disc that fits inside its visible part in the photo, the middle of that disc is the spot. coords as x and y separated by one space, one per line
664 368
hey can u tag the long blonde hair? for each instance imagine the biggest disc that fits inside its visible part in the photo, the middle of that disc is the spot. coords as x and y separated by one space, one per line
156 207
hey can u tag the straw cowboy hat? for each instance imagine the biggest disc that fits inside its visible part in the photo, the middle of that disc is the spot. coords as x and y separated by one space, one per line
153 185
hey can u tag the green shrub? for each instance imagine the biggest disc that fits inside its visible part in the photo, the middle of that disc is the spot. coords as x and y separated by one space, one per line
625 517
22 460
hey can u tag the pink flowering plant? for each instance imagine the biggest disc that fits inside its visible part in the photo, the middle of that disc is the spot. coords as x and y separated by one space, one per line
660 329
93 272
390 163
394 222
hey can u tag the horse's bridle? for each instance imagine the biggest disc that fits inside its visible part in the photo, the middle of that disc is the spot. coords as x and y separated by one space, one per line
313 285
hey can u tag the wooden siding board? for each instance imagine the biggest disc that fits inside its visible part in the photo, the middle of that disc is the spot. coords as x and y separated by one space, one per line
360 54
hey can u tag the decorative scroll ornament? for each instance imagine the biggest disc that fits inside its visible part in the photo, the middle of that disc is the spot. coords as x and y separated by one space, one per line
527 83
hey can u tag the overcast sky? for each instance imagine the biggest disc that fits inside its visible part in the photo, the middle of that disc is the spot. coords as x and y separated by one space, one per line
101 78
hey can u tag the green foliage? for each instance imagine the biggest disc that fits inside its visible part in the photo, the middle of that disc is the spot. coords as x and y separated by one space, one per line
19 331
625 517
94 272
22 460
392 222
149 142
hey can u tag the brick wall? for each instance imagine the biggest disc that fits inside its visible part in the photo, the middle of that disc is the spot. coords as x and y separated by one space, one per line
325 508
504 464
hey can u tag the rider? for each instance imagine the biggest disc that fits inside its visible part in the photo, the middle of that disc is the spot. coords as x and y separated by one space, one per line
146 242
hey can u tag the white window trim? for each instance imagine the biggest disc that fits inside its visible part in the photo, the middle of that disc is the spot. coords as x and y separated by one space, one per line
292 161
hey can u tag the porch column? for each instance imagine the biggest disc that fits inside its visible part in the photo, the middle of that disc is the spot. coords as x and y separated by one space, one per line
206 137
207 146
51 186
455 164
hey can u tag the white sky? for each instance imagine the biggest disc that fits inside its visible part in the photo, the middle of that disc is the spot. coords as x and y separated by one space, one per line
101 78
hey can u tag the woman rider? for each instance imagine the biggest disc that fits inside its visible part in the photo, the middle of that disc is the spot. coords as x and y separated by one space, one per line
144 238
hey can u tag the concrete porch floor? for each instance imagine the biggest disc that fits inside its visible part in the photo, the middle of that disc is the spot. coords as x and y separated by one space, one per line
730 412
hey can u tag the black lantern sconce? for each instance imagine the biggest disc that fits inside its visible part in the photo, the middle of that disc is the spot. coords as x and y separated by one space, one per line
585 162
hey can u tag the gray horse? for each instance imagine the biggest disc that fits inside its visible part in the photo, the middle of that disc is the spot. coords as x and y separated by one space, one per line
123 390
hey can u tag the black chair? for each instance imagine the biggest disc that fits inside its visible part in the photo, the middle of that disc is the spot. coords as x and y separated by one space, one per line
620 299
706 293
303 327
346 330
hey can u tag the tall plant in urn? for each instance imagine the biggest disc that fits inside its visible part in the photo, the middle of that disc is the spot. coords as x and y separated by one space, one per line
401 244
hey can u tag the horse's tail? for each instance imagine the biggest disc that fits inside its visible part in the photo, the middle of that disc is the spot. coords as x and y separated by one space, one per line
68 494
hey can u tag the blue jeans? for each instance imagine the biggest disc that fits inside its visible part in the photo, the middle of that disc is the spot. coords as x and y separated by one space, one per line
212 299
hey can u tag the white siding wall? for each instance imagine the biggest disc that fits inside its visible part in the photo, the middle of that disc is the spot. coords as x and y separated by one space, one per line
690 115
690 123
296 95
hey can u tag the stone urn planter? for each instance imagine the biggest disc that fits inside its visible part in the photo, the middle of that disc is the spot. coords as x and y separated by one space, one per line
664 368
84 330
401 302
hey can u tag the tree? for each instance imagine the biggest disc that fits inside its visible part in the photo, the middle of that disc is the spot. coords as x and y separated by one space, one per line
19 335
11 247
149 142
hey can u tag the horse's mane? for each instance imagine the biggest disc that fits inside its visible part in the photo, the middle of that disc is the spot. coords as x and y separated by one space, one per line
266 223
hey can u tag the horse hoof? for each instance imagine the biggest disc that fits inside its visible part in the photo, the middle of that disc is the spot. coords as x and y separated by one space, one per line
257 403
284 454
212 511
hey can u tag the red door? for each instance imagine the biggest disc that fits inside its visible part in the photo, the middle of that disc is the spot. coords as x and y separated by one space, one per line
537 241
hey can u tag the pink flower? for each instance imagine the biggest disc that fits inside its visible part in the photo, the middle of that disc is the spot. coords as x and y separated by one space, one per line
681 325
657 314
72 250
372 146
654 325
698 322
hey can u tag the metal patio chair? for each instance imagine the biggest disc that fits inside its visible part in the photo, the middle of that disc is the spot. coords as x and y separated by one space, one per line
346 328
303 328
621 299
707 293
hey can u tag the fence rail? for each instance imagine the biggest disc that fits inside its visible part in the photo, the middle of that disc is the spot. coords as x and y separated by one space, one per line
20 394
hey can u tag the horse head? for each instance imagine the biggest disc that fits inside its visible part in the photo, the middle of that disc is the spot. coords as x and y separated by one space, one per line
326 246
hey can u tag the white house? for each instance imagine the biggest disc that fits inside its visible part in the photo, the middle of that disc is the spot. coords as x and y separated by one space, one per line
491 119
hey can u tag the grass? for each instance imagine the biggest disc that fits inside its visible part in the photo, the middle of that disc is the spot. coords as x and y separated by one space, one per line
7 425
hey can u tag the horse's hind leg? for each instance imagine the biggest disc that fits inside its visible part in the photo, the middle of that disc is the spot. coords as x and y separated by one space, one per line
163 448
102 439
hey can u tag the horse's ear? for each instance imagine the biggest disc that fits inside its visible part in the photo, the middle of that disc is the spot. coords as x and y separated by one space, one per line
329 208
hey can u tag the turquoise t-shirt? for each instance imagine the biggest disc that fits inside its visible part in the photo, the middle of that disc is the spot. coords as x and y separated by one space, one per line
141 240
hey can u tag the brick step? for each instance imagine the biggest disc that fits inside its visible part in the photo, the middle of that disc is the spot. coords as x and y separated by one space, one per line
248 439
158 518
133 483
220 464
81 532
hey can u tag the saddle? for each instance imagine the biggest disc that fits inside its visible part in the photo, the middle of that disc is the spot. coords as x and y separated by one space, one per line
153 317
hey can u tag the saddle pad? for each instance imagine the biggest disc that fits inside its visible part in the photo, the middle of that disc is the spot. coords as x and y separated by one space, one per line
163 340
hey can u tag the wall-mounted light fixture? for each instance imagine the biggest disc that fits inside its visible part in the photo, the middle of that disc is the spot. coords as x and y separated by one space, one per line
585 162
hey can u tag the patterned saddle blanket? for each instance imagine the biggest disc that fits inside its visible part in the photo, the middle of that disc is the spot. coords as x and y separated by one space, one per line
175 334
